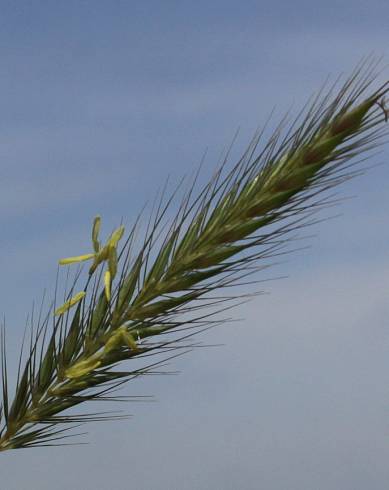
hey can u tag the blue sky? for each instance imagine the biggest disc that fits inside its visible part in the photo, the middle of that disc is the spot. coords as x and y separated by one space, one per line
99 101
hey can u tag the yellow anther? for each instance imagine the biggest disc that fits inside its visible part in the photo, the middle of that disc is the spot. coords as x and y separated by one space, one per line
79 258
99 258
112 261
82 368
114 341
121 337
129 340
116 236
95 233
101 254
69 304
107 285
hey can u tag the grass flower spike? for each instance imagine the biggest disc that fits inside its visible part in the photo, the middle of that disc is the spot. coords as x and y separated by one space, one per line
164 290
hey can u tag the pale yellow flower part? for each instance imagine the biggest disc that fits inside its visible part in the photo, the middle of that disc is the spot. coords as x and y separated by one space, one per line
108 252
100 257
107 285
112 261
114 341
129 340
101 254
116 236
78 258
70 303
95 233
119 338
82 368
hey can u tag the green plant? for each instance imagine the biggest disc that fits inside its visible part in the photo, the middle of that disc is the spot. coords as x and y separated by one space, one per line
132 300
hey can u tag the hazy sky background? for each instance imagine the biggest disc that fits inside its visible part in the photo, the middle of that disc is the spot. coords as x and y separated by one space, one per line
99 101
